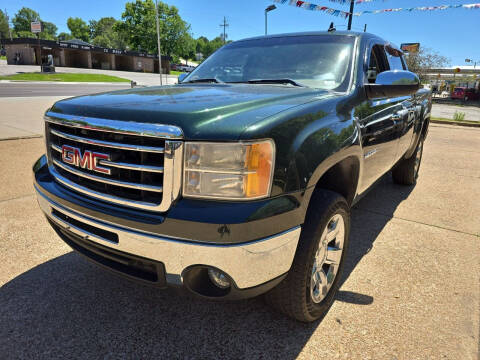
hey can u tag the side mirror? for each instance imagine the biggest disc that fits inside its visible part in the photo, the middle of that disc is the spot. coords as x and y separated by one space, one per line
181 77
393 83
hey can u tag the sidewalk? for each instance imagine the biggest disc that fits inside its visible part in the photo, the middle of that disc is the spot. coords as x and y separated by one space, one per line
23 116
147 79
472 113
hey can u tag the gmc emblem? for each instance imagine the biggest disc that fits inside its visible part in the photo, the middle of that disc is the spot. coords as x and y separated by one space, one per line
73 156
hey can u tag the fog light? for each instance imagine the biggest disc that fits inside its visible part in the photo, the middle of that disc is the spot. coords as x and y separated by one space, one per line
219 278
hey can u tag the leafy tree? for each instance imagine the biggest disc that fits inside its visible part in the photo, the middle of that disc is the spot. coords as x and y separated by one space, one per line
103 34
49 31
78 28
3 25
208 47
423 60
139 26
63 36
174 31
22 19
201 44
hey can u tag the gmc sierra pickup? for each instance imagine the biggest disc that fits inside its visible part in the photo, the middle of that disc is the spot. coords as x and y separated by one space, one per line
238 180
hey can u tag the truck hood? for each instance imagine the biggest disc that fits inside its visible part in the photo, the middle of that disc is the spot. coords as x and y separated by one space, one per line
202 111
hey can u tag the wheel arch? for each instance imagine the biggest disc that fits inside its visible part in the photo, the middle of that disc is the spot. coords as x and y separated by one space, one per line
341 176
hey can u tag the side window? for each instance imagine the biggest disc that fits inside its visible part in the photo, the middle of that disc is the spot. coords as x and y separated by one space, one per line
394 58
377 63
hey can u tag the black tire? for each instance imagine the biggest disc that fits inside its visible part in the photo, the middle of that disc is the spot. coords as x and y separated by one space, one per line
406 171
292 296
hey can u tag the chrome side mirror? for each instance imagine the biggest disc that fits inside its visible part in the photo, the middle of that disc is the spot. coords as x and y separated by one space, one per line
393 83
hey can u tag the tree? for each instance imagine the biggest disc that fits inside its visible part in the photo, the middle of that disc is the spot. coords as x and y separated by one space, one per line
207 47
22 19
21 25
175 32
103 34
3 25
49 31
63 36
78 28
139 27
424 60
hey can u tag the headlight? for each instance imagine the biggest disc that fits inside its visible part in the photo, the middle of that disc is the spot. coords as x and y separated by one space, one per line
238 171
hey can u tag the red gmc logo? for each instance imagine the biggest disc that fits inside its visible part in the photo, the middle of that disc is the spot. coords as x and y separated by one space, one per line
89 160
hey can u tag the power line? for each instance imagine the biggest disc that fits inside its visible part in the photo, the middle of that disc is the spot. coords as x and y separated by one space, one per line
224 25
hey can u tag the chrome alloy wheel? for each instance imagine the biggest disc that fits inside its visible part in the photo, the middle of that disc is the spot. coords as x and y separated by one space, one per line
327 258
418 158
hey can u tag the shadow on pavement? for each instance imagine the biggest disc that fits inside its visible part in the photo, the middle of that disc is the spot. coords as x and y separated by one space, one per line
67 307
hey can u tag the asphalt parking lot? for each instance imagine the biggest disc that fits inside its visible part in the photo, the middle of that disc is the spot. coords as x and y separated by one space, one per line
411 288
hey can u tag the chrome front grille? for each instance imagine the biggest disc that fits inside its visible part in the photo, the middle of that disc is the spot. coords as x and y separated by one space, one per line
140 163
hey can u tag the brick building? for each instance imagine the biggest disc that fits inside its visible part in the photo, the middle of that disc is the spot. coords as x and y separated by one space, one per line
77 53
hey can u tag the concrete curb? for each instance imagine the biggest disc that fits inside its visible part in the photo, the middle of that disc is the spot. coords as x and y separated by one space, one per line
455 123
21 137
62 82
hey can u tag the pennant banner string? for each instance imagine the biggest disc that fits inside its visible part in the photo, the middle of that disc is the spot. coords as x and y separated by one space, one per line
335 12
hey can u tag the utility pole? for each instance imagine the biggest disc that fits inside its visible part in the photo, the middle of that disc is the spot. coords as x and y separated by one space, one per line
352 4
224 25
158 44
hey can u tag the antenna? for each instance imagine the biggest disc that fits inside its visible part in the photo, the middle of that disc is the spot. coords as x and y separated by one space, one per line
224 25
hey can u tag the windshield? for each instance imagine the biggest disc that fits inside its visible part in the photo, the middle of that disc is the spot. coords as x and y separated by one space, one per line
318 61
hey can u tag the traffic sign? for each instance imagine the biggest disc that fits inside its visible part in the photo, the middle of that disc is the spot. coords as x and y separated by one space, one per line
36 26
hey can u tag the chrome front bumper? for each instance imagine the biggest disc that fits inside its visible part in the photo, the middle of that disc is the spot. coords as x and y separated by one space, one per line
249 264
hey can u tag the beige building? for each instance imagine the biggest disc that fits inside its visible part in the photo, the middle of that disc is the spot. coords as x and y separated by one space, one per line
76 53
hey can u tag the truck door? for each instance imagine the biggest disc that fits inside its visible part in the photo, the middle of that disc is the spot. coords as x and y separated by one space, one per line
378 120
406 116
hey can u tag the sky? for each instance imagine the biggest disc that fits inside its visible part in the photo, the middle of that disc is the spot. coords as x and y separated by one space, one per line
454 33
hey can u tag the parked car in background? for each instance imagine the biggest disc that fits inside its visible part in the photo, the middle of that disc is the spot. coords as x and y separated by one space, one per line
185 68
464 94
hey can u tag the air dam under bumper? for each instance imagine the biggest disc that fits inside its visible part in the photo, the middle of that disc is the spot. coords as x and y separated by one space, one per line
248 264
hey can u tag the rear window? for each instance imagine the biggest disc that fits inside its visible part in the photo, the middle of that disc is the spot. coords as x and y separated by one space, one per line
458 89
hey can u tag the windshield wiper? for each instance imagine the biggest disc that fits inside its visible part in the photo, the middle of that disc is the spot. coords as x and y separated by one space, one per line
207 80
274 81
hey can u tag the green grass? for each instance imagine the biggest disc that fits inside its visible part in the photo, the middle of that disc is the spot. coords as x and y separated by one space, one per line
3 58
175 72
459 116
64 77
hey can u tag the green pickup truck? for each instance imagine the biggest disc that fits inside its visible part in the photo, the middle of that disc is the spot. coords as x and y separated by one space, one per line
239 180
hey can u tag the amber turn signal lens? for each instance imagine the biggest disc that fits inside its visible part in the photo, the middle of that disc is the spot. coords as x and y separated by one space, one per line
259 168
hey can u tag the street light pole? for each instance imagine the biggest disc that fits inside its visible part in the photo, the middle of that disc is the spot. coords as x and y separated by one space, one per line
266 22
267 10
350 16
158 44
